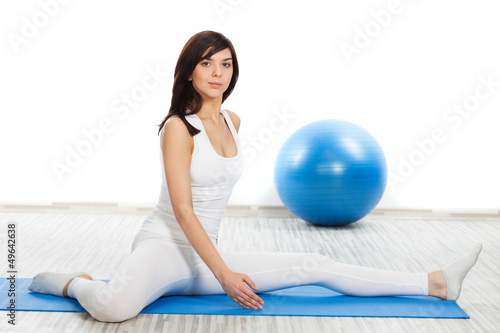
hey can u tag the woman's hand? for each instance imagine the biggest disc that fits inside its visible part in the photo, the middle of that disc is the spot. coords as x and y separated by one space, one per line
234 285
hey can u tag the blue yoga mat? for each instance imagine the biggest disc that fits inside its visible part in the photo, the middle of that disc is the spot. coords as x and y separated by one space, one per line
298 301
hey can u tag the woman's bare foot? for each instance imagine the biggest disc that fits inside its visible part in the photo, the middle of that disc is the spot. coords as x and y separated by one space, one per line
65 289
437 284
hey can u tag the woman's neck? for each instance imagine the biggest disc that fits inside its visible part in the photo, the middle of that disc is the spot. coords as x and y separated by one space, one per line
211 110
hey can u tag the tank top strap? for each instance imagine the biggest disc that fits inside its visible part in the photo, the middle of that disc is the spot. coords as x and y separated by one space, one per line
231 125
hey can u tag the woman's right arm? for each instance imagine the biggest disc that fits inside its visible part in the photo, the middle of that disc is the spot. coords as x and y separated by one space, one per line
177 146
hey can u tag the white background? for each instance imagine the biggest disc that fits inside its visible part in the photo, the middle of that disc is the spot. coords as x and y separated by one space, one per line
69 73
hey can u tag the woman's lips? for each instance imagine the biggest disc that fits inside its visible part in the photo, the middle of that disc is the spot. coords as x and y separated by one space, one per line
215 84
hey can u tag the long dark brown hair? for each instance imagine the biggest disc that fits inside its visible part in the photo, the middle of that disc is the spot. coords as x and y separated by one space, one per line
184 97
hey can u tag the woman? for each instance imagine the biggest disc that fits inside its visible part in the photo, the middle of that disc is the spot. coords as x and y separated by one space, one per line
175 252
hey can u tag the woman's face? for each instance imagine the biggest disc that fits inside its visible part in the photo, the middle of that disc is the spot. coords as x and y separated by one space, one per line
212 76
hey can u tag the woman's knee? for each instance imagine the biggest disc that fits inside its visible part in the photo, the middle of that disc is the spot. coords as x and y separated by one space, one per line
114 310
106 303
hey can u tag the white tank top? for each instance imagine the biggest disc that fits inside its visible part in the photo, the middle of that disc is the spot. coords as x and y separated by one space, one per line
212 180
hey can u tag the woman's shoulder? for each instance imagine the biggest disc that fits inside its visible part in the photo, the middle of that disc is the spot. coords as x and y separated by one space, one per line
174 122
174 129
176 119
235 119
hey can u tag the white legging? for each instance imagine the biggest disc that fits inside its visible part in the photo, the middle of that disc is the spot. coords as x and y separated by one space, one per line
158 267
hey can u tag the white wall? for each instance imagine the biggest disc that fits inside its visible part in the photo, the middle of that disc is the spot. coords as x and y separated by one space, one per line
71 73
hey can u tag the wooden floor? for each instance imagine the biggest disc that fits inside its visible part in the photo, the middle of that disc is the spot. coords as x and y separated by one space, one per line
97 242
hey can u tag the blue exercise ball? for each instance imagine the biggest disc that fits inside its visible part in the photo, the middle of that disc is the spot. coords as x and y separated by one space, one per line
330 172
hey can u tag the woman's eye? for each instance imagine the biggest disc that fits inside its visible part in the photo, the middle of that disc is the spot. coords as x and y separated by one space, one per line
227 65
205 63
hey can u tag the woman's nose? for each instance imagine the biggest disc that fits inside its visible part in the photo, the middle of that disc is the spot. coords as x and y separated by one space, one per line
217 70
